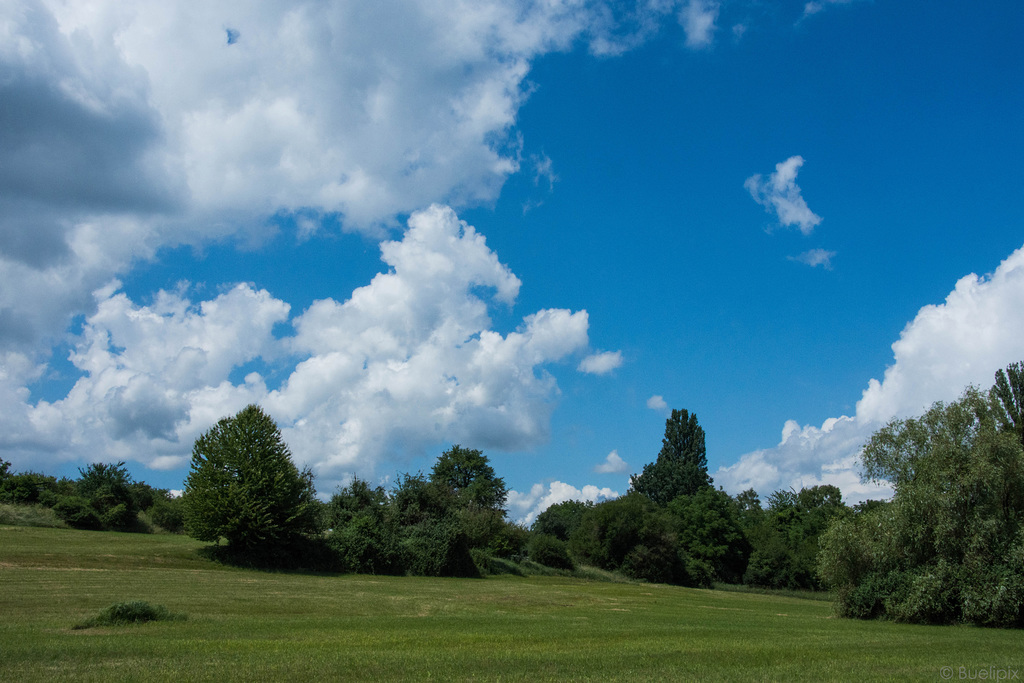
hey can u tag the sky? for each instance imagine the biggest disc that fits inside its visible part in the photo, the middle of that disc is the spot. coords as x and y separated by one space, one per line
532 228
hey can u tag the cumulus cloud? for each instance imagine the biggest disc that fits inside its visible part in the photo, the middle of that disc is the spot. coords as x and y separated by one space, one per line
408 361
601 363
127 129
698 21
526 506
815 257
962 341
613 464
780 195
657 402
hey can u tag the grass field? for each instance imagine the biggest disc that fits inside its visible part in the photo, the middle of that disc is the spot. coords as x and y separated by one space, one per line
246 625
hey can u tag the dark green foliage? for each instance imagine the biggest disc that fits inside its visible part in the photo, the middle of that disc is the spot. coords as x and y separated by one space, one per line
168 513
1008 399
489 565
30 487
682 465
364 530
710 532
561 519
356 499
108 488
632 535
437 547
509 541
949 548
784 539
366 546
5 470
748 508
550 551
488 529
133 612
417 499
470 476
145 496
76 512
431 539
243 487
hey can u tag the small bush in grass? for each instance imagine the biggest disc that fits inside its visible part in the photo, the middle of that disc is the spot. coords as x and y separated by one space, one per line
132 612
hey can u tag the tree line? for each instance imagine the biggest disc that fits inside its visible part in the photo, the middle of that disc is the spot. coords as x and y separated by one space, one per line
104 497
947 548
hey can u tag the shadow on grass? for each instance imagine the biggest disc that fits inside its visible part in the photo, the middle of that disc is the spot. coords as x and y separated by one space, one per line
301 556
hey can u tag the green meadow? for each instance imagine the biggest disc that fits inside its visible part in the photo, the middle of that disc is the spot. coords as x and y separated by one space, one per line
249 625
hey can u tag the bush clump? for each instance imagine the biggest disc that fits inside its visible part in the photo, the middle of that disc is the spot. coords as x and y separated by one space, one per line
550 551
131 612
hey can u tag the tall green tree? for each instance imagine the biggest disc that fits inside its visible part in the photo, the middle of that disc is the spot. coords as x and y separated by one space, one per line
1008 399
950 546
561 519
682 465
108 488
710 532
243 487
470 476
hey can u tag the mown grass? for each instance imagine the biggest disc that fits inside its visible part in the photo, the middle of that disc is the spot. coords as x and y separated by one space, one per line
246 625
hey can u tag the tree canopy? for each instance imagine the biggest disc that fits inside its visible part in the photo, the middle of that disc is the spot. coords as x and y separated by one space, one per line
243 487
470 476
950 546
682 464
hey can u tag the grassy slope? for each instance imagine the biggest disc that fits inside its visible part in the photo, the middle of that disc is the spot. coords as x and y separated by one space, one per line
251 625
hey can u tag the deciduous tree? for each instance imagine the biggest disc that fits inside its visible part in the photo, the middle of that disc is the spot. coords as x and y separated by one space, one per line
243 487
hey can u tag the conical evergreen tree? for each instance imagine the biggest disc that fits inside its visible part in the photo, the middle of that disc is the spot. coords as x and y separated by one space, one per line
682 464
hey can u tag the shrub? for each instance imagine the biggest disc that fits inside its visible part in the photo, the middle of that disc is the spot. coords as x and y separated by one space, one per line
108 488
76 512
633 535
119 518
168 514
561 519
437 548
133 612
365 545
25 488
550 551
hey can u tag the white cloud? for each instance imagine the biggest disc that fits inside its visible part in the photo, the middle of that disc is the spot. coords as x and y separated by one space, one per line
526 506
781 195
698 21
976 331
601 363
816 6
132 127
613 464
657 402
815 257
408 361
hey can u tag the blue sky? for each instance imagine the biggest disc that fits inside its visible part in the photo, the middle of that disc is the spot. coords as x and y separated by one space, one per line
797 220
